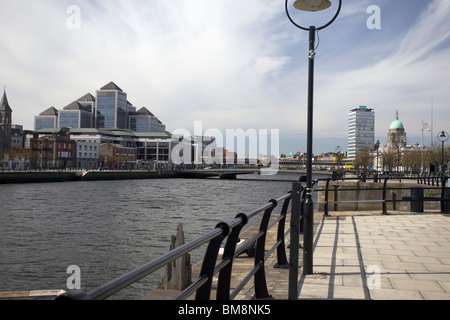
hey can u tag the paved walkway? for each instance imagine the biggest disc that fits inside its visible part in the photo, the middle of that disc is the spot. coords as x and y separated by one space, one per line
388 257
362 256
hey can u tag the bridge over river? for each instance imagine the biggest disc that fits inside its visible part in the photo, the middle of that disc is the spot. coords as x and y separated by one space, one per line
232 174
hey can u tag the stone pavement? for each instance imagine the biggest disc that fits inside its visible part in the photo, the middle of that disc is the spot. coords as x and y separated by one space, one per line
380 257
364 256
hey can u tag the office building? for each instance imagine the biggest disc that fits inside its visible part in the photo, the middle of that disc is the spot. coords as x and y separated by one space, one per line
361 130
111 107
75 115
47 119
144 121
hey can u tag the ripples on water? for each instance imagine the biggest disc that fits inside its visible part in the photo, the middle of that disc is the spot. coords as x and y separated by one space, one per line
108 228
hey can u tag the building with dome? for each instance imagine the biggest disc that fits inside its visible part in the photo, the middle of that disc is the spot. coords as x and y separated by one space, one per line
396 134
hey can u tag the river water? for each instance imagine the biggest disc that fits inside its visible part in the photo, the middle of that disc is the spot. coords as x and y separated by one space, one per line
108 228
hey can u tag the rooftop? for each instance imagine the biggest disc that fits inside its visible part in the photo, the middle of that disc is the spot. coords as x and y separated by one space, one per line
397 124
108 132
4 105
111 86
362 108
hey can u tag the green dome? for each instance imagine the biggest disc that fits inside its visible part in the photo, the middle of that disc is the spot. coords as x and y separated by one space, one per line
397 124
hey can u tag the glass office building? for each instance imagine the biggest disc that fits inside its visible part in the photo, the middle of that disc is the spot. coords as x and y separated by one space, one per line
112 107
47 119
75 116
144 121
109 109
361 130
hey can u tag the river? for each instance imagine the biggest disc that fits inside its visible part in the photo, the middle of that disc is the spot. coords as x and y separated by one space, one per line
108 228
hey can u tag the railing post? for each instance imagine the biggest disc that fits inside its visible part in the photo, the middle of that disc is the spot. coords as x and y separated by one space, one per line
260 276
336 199
294 246
209 262
281 250
326 198
445 197
384 196
224 280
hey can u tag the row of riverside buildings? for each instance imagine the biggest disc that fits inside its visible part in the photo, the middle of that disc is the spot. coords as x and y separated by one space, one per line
92 132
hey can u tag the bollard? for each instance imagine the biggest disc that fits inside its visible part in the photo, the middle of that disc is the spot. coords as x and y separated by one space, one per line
416 199
446 201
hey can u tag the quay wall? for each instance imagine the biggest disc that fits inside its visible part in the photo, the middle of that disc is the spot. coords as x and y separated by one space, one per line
65 176
37 177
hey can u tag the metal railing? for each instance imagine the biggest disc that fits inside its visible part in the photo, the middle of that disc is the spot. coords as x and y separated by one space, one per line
416 198
210 268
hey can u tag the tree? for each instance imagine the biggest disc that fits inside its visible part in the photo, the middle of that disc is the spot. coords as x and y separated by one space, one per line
412 160
364 159
389 157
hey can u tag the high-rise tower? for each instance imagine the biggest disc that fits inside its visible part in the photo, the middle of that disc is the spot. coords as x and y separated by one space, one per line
361 130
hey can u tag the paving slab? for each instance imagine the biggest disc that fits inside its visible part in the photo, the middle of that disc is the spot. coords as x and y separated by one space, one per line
380 257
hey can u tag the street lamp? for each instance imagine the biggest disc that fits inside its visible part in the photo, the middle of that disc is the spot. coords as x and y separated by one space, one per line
442 136
425 126
377 147
308 218
312 5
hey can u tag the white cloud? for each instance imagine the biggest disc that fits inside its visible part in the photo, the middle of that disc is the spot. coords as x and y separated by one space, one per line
229 63
404 80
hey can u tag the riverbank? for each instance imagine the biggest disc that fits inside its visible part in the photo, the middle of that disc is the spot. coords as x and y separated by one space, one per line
66 176
7 177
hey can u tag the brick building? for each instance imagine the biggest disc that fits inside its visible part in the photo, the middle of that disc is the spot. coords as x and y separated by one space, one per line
54 152
114 155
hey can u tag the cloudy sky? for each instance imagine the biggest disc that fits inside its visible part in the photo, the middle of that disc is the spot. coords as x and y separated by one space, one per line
232 63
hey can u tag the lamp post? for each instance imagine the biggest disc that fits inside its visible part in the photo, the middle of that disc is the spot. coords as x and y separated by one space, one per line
377 147
442 136
308 218
425 126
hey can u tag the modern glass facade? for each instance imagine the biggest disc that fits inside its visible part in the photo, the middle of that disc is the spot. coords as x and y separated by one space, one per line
361 130
68 119
109 109
41 122
74 119
122 112
112 109
106 109
140 124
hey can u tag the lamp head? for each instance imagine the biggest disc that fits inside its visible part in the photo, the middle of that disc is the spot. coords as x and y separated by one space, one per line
312 5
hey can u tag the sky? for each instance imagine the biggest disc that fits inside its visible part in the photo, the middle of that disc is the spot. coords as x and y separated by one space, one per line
234 64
